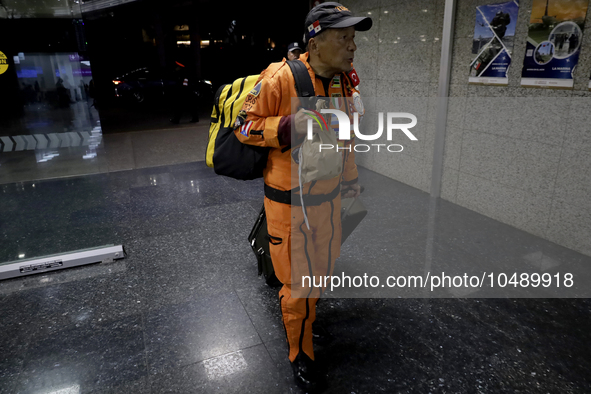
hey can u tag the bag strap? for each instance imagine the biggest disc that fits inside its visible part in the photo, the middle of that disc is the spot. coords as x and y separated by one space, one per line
303 82
216 103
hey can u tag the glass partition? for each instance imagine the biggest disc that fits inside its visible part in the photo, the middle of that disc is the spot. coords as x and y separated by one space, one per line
50 133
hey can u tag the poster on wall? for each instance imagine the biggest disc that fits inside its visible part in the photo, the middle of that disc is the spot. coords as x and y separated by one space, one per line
553 43
492 45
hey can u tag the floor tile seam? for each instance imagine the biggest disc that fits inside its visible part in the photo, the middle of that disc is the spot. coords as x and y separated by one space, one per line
194 127
217 204
153 311
247 314
149 387
275 363
16 378
22 367
230 247
96 173
90 326
182 367
137 233
234 189
133 153
52 178
492 327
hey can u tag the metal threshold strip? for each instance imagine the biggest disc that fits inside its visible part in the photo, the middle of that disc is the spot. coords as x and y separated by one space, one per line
102 254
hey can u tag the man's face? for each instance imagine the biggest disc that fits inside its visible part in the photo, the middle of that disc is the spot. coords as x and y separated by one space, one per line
293 55
336 49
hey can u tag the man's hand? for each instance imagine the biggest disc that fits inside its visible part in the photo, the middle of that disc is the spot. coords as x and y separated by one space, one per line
351 191
301 122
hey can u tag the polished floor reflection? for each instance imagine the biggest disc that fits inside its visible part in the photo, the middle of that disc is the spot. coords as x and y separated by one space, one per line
186 313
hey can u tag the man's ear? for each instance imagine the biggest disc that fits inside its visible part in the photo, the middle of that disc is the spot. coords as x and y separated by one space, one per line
312 45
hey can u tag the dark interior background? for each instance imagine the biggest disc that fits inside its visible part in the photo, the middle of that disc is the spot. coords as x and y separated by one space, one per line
244 39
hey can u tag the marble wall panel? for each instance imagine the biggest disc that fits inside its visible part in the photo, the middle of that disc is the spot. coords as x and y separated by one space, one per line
490 198
408 18
533 167
404 58
461 58
533 214
387 88
453 147
570 226
449 184
368 87
366 59
486 155
578 124
573 181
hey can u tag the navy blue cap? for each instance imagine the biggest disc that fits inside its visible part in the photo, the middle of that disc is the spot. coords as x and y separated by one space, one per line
332 15
293 46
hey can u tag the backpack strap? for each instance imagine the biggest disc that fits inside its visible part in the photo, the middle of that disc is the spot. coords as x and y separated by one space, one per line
303 82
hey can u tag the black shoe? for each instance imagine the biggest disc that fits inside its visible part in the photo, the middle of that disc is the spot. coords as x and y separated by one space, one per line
174 121
320 336
195 120
305 373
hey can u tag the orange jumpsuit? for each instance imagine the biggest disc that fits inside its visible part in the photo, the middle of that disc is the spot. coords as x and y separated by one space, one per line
295 249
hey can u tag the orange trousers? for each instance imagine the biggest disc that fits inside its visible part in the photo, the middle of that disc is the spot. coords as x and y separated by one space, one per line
302 259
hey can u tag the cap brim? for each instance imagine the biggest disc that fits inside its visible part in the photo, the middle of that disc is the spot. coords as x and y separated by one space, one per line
361 23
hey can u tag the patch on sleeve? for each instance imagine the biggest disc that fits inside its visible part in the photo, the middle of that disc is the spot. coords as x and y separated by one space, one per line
240 119
249 102
314 28
354 77
245 129
336 100
358 103
336 81
334 122
256 90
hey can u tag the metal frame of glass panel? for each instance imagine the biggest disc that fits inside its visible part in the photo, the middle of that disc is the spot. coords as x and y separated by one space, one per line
102 254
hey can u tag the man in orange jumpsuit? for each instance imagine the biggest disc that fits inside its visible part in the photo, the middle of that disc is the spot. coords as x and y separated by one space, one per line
273 120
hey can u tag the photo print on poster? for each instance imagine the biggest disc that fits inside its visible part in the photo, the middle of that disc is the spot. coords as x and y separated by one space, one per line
553 43
494 35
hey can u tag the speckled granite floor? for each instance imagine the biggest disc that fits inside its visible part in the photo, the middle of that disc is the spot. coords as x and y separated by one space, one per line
186 313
